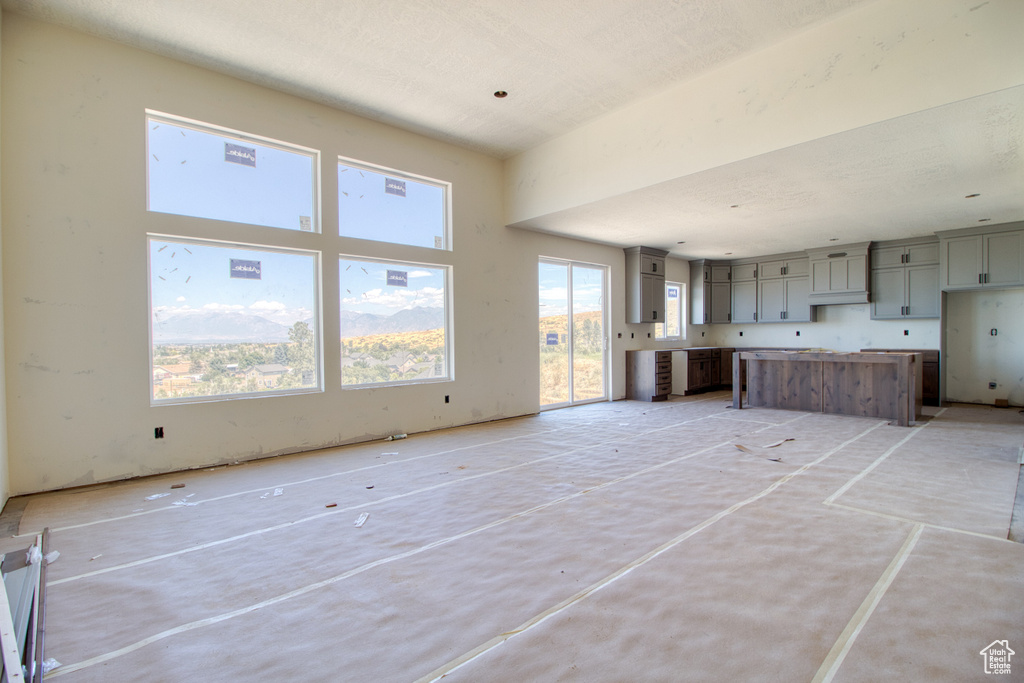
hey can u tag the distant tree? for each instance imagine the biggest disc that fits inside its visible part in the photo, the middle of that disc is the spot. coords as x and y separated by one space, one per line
281 354
301 355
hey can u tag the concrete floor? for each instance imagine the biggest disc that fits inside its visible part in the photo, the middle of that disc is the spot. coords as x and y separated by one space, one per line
609 542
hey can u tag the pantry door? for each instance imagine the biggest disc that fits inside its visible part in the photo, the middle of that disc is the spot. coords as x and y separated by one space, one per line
573 333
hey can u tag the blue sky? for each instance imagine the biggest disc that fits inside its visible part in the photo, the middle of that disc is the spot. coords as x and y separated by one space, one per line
364 287
366 211
553 290
188 176
193 277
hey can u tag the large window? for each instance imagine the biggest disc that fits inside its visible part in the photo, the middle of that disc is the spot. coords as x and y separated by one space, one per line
195 169
230 319
394 322
390 206
673 327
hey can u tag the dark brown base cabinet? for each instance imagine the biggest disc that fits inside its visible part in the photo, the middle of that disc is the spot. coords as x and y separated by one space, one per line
648 375
929 372
707 369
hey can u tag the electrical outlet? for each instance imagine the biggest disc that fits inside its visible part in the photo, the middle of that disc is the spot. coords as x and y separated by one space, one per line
158 433
446 398
992 385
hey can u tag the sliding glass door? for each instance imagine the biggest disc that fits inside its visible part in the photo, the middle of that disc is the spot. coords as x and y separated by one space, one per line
573 332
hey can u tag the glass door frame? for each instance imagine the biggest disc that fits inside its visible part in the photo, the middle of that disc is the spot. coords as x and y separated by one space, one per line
606 339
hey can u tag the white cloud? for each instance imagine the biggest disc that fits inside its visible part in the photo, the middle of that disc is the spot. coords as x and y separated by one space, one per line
268 306
214 306
180 299
420 273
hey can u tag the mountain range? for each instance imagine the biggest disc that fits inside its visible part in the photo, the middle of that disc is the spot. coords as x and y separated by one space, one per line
236 328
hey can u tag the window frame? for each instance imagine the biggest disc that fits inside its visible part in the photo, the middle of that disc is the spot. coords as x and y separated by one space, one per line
241 136
446 204
449 341
318 332
661 329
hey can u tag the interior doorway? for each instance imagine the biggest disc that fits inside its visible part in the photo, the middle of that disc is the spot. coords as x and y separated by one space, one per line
573 332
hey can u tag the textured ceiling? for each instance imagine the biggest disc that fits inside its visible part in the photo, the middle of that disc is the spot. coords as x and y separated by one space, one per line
431 66
906 177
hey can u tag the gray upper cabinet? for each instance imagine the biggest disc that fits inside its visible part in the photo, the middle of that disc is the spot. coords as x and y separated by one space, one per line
645 285
839 275
905 280
782 267
744 301
974 259
710 292
783 300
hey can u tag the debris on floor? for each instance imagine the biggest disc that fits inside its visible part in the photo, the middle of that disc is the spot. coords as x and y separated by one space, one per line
362 520
751 452
184 501
395 437
177 486
157 495
778 443
278 492
331 505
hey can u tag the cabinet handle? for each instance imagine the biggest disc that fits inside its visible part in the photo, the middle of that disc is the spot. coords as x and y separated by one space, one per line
655 313
980 276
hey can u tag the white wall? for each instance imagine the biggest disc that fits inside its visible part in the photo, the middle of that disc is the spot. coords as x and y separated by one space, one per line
974 357
4 481
75 275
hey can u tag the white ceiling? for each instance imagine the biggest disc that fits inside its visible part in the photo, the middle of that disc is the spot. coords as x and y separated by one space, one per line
432 66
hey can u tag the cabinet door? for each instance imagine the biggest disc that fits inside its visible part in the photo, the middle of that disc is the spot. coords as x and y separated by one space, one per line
920 254
744 272
1005 259
652 298
769 270
654 265
922 292
798 267
721 305
744 302
771 301
797 299
963 263
888 297
889 257
720 273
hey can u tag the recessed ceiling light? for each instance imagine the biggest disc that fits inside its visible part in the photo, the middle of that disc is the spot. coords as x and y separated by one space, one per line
833 239
735 206
500 94
984 220
972 196
683 242
728 253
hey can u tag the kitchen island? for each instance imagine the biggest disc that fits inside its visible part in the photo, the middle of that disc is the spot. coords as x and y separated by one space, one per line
885 385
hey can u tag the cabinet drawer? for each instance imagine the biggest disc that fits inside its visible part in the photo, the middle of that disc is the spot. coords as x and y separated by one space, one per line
663 389
663 378
663 367
662 356
701 354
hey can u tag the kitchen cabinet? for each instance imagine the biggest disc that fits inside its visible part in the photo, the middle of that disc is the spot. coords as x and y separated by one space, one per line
648 375
779 267
710 292
645 285
783 300
744 302
839 275
905 281
975 260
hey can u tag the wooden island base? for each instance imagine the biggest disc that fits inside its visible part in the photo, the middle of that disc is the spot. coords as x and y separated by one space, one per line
884 385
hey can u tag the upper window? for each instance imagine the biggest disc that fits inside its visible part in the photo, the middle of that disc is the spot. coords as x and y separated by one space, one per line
672 328
394 322
390 206
195 169
229 319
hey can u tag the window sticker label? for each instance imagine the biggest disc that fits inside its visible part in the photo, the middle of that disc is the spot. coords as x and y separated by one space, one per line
438 242
673 291
391 186
237 154
305 223
246 270
398 278
552 338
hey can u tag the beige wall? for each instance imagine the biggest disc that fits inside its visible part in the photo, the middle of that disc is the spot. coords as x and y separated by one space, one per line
75 272
4 482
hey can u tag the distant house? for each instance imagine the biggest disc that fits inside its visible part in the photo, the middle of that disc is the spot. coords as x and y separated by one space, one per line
268 375
173 378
